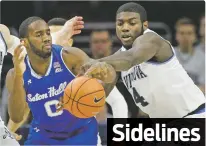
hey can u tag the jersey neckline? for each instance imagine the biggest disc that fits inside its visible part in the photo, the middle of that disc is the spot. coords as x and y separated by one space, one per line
34 74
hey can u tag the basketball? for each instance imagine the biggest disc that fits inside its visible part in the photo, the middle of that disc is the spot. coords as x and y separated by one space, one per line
84 97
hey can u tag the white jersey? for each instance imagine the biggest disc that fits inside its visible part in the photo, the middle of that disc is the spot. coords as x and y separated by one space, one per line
162 90
3 50
6 139
118 104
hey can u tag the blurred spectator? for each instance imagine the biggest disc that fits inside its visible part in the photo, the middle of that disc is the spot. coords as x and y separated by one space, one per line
191 59
100 43
201 45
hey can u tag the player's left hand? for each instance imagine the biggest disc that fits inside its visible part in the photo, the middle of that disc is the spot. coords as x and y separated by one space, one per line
99 70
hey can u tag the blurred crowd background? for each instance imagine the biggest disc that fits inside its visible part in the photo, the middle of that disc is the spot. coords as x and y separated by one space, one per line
181 23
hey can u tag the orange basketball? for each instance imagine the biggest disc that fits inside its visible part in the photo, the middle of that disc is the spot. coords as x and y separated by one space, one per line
84 97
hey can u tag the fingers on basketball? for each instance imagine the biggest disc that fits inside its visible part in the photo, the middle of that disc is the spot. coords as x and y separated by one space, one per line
83 69
98 71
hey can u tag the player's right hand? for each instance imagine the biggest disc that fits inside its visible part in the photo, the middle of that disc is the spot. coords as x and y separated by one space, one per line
99 70
18 60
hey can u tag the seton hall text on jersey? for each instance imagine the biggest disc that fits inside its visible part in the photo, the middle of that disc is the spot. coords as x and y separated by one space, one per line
52 91
135 74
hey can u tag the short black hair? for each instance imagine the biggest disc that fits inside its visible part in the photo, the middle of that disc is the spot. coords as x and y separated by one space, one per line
23 28
184 21
57 21
133 7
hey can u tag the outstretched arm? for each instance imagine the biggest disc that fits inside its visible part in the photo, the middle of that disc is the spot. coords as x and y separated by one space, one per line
144 48
75 58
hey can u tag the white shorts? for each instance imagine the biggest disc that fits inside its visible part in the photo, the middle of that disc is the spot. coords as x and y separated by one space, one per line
6 138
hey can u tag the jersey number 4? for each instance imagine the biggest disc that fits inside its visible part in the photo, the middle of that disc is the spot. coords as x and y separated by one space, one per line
49 111
138 98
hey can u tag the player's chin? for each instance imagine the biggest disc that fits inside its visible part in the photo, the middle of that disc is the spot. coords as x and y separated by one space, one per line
127 41
127 44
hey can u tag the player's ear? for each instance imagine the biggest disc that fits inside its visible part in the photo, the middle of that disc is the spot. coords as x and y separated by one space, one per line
145 25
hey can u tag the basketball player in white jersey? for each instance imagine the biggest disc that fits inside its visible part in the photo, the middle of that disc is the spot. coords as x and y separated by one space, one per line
150 70
6 43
